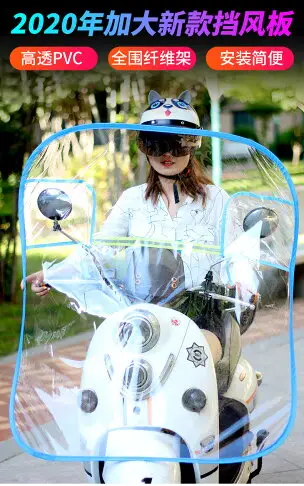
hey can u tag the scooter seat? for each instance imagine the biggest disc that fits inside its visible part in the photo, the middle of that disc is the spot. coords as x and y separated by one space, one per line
225 368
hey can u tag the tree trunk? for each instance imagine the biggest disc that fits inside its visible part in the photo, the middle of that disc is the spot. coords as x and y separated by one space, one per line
14 236
264 130
296 153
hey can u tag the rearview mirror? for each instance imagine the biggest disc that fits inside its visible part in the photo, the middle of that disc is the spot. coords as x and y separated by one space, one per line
54 204
269 218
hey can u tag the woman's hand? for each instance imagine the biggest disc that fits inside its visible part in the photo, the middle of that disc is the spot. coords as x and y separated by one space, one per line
37 283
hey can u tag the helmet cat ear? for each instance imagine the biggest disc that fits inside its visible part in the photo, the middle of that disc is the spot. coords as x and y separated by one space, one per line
185 96
181 113
153 96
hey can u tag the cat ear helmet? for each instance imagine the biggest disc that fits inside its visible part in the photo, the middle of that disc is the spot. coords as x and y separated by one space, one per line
175 112
169 112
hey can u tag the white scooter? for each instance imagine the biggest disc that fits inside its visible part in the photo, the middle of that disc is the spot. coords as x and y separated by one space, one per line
165 395
152 402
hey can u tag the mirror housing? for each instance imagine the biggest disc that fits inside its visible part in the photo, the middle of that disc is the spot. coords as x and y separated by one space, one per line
269 218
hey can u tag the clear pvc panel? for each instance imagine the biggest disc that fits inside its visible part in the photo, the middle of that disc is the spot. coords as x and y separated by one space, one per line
119 345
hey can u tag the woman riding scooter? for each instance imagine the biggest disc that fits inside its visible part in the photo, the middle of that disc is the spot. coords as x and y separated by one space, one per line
178 201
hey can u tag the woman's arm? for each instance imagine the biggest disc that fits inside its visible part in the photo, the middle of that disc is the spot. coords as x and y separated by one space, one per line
115 225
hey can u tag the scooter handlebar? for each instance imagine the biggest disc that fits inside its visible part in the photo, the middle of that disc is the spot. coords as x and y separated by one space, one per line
229 299
216 296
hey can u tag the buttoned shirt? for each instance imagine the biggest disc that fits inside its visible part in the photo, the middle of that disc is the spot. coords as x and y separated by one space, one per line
194 223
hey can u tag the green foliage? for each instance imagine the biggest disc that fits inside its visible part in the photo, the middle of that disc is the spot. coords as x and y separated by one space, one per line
7 235
52 319
247 132
298 179
6 196
14 139
254 182
232 186
47 318
282 146
294 170
9 328
263 109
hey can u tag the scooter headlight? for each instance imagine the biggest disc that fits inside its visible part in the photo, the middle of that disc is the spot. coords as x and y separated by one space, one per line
139 331
137 378
194 400
89 401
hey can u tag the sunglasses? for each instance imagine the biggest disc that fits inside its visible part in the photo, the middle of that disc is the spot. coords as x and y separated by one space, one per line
157 144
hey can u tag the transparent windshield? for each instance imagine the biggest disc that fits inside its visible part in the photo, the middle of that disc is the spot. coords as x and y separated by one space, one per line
119 345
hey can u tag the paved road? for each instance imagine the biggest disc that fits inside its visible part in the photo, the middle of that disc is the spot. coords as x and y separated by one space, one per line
265 340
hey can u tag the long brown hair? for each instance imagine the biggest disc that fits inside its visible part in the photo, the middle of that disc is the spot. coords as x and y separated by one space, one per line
192 183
